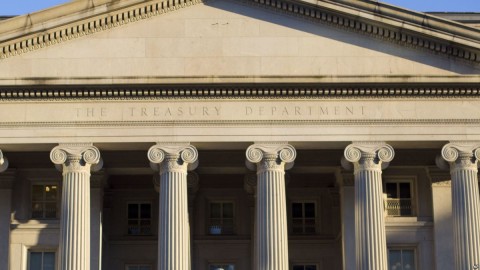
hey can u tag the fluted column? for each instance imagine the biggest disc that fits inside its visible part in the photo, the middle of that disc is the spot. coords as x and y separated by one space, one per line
76 161
463 158
371 246
173 161
271 214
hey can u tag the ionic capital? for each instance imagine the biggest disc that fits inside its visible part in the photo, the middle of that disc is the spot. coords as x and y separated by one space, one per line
76 157
462 155
173 157
369 155
271 156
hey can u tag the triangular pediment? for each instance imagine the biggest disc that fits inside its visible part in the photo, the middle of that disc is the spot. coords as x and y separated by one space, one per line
233 38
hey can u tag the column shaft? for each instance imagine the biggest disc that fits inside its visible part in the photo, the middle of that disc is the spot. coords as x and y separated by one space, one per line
75 221
173 233
370 222
272 235
466 214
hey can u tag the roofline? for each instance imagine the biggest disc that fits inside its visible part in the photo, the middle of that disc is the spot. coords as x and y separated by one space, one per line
61 14
414 17
71 11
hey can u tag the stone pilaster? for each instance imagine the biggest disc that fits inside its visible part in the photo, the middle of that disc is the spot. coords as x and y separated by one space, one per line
250 186
97 183
6 184
193 184
76 161
347 196
173 161
371 246
271 214
463 158
442 218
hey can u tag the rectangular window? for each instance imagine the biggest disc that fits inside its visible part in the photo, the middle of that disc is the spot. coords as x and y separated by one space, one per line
401 259
39 260
44 201
304 267
303 217
221 219
399 201
138 267
139 218
221 266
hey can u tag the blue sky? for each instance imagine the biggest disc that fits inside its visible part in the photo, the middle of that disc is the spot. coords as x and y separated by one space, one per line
16 7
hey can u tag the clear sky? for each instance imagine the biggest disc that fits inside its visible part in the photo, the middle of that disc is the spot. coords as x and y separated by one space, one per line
16 7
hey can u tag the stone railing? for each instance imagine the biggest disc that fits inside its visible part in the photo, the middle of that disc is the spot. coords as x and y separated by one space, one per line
395 207
221 226
140 229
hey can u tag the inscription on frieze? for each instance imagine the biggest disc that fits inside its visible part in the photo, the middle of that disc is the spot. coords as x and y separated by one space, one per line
304 110
207 112
239 110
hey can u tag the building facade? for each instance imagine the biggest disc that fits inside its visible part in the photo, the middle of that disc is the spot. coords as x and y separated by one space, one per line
239 134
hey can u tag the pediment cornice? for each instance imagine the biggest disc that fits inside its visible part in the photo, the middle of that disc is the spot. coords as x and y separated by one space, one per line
76 19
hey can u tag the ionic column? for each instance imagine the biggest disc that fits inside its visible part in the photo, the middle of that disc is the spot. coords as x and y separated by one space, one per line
173 161
76 161
371 246
271 214
463 158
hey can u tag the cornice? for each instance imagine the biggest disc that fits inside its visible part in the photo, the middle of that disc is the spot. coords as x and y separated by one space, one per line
400 26
239 91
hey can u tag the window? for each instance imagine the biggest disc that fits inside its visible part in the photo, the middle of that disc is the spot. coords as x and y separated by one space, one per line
401 259
399 201
303 217
44 201
221 266
139 218
138 267
41 260
304 267
221 218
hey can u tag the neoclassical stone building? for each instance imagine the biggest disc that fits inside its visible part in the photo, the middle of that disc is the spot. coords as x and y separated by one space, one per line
238 135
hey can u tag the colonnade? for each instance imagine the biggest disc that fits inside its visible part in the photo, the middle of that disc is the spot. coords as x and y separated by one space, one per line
270 160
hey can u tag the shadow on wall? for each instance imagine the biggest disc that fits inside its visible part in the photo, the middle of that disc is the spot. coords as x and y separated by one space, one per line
333 33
